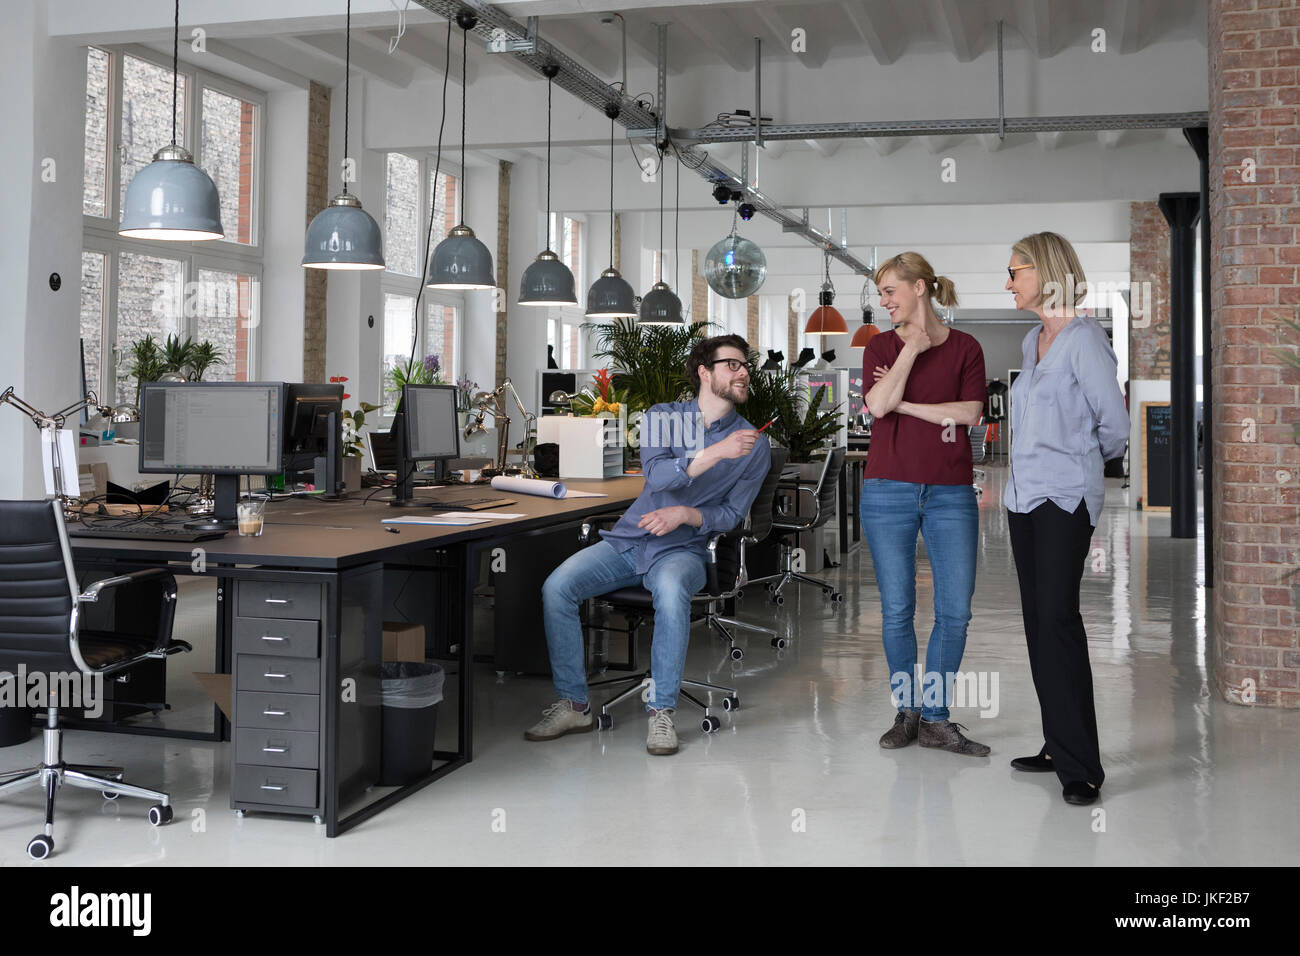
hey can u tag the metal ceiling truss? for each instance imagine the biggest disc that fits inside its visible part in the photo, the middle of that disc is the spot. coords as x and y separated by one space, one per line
524 43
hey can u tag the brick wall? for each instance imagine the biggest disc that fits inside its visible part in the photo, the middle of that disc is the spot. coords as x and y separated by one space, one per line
792 328
1148 266
699 292
751 320
1254 94
314 280
618 241
503 261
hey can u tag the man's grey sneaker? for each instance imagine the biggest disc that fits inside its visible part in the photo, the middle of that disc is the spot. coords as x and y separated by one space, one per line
904 730
662 738
947 735
560 719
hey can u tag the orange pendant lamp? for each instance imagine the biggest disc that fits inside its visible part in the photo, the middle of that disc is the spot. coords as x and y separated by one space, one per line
868 331
826 319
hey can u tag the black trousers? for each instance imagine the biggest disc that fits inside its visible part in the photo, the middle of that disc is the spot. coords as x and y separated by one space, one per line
1050 547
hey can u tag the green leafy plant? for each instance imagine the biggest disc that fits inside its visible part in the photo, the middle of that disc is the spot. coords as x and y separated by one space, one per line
147 363
649 362
353 421
191 361
202 357
427 371
775 396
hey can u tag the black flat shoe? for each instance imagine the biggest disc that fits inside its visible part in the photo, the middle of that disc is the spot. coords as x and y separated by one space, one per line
1079 793
1039 763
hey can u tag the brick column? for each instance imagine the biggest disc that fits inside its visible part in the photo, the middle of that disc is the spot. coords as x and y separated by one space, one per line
751 319
699 292
503 262
792 328
1254 169
1148 266
618 242
315 280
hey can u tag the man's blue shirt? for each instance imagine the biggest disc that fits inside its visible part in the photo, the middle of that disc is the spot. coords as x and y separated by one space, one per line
672 434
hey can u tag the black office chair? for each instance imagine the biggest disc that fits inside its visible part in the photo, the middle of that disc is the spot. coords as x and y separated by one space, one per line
787 526
40 617
978 452
727 574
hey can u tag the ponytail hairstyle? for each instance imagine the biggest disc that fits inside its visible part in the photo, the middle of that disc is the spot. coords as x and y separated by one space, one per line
910 266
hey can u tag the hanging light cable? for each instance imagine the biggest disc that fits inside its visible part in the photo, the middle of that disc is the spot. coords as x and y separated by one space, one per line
343 235
548 281
610 296
461 261
171 198
826 319
661 305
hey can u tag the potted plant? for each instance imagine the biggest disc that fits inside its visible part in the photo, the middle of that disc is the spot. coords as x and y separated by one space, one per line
465 390
648 362
353 448
775 396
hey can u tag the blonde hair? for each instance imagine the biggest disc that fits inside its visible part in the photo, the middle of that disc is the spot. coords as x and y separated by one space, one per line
1060 274
910 266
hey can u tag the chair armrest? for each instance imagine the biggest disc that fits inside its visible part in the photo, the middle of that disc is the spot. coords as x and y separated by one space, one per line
594 523
798 486
164 646
711 564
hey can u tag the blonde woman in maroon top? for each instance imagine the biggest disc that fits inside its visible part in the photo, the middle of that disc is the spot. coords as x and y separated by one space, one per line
929 388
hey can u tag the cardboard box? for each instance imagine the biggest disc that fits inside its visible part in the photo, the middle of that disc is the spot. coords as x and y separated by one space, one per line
219 688
403 642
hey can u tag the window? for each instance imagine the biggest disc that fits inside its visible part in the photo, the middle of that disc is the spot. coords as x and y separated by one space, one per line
133 288
410 184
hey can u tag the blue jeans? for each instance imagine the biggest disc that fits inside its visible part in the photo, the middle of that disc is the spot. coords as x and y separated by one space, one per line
596 570
947 517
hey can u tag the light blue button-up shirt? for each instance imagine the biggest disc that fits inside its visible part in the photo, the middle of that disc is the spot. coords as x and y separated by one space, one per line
671 435
1067 420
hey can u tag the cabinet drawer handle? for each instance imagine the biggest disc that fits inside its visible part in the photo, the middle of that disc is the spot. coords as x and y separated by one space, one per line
275 713
275 750
269 637
270 786
275 676
276 600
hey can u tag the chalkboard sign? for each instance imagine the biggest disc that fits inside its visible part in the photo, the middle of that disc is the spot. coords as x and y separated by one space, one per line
1157 456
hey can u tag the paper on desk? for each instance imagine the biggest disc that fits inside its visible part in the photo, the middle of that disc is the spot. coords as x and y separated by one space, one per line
435 519
574 493
481 514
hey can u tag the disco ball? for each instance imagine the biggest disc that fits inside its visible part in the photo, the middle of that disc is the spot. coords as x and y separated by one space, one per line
735 267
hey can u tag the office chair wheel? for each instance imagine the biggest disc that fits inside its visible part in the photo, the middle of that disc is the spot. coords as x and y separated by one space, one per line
40 847
159 815
827 592
731 703
604 721
779 643
737 654
111 794
779 599
837 597
740 595
710 724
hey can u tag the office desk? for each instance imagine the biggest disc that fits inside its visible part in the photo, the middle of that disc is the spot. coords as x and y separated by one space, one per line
299 626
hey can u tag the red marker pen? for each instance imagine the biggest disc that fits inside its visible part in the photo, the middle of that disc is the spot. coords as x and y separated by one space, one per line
764 428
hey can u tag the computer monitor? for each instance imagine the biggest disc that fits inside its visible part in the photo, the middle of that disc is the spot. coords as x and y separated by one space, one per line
225 429
313 434
383 451
427 430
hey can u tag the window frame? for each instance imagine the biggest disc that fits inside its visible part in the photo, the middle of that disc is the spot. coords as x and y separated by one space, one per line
99 233
395 283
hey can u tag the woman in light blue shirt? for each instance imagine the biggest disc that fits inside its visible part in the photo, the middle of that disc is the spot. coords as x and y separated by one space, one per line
1068 419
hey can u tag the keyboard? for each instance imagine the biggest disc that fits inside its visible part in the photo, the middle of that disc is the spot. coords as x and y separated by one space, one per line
142 532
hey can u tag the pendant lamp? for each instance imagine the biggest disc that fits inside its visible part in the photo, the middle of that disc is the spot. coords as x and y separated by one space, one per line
343 235
548 281
461 261
611 296
660 306
171 198
826 319
868 331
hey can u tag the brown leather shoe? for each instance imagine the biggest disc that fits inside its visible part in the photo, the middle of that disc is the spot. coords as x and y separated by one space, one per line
904 730
947 735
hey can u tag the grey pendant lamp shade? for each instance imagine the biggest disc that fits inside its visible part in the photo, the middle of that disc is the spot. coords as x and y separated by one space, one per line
611 296
548 281
171 198
461 261
660 306
343 235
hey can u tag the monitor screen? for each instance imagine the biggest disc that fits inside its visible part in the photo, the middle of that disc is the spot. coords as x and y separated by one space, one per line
211 427
431 427
309 406
383 451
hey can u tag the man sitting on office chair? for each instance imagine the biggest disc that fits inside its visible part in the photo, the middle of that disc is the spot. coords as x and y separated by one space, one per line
703 465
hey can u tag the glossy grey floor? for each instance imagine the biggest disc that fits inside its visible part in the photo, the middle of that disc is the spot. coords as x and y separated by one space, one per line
796 776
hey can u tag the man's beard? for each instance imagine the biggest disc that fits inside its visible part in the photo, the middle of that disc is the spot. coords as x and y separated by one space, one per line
724 392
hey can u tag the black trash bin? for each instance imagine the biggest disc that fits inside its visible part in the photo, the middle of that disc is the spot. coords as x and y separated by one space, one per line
409 695
15 721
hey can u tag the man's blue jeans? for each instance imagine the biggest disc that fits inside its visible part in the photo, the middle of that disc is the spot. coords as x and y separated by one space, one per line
596 570
947 517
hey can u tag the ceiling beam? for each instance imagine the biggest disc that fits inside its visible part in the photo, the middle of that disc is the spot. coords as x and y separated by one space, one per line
1034 20
293 55
884 145
714 39
952 19
277 71
991 142
1125 26
379 65
825 148
814 57
882 39
1050 139
1109 138
937 144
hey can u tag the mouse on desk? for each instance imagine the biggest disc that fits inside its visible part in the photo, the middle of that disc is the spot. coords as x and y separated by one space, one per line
392 530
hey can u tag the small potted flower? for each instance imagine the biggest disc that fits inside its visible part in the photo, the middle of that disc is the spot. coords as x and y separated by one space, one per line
353 447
